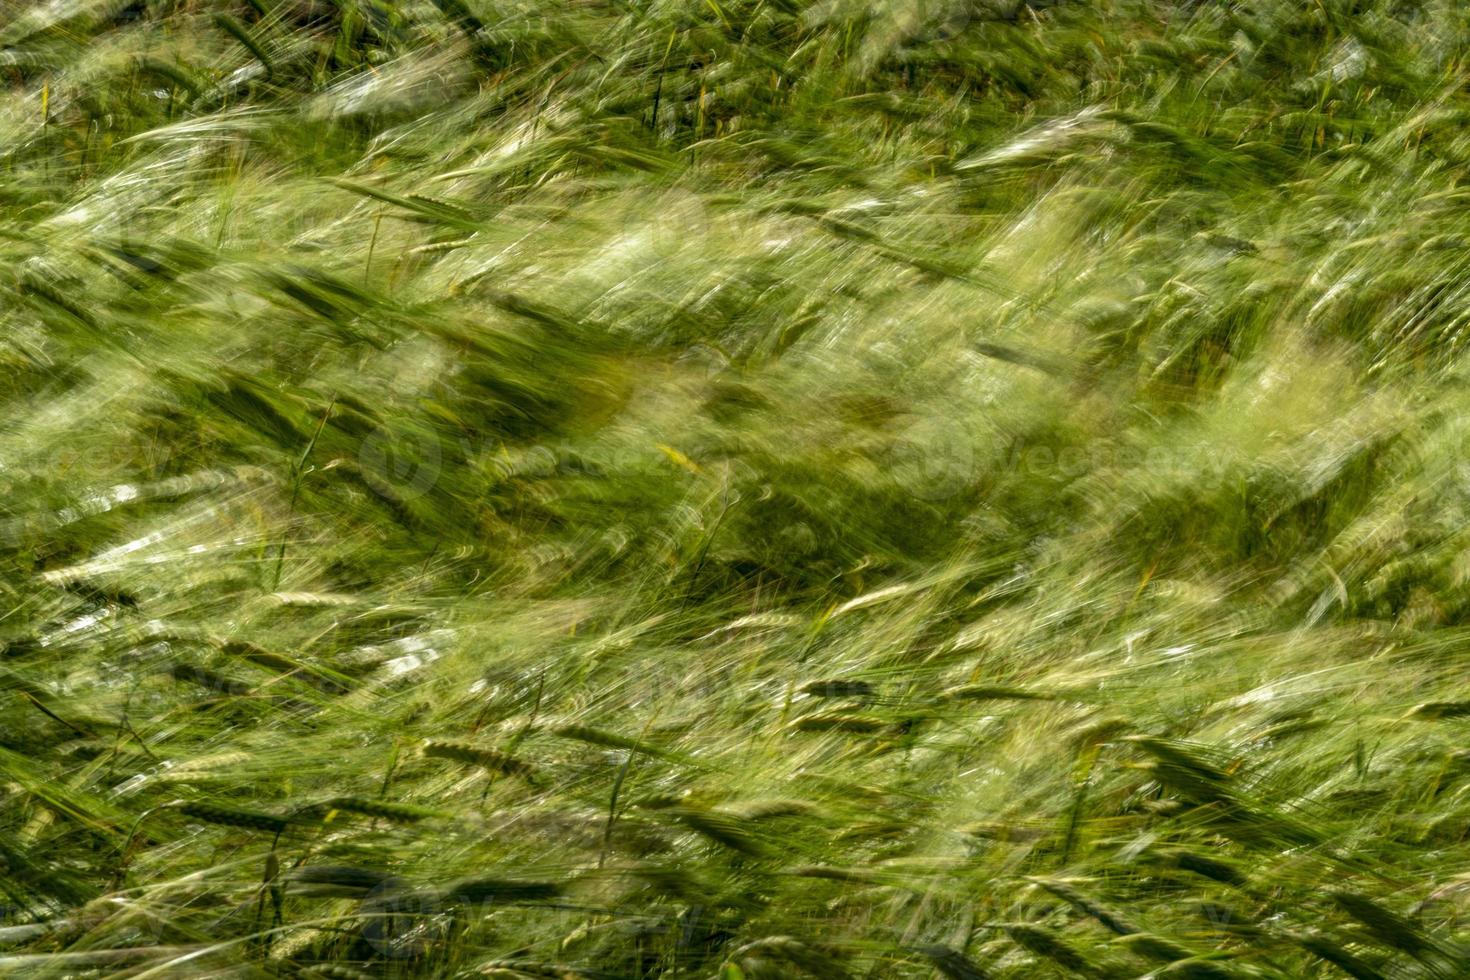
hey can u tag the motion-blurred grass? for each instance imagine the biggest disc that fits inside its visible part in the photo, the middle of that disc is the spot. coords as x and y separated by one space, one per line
692 488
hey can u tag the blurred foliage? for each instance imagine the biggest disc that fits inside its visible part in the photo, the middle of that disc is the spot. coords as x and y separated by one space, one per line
734 488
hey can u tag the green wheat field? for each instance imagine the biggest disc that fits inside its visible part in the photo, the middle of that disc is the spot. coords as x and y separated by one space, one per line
735 489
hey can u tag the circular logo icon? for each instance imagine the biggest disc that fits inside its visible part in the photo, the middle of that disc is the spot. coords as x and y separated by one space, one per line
933 459
942 20
406 463
400 921
676 220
